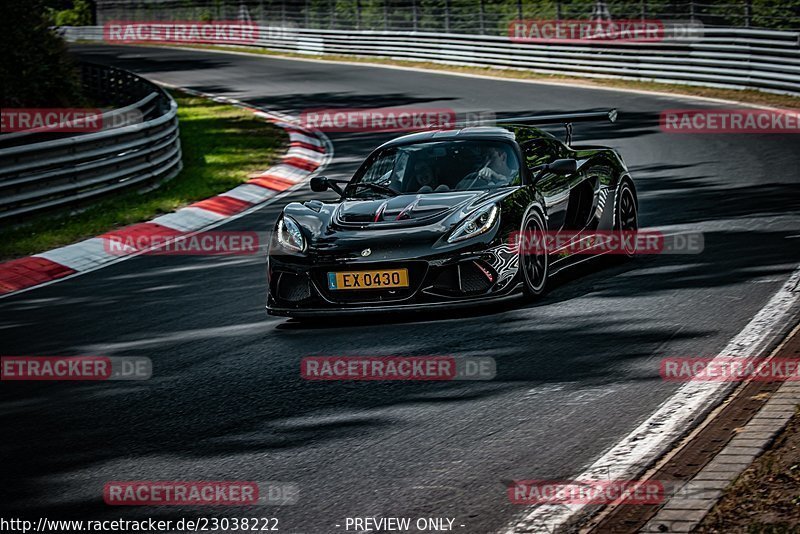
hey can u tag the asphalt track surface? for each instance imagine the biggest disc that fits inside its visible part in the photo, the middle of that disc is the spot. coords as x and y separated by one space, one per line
576 371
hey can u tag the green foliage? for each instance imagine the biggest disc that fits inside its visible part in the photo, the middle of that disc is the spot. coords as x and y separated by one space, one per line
458 16
81 14
35 71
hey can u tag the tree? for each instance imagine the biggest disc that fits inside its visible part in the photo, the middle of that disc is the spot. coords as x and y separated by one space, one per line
36 70
81 14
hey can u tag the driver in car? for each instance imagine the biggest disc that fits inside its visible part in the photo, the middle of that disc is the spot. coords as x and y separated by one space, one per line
396 174
496 171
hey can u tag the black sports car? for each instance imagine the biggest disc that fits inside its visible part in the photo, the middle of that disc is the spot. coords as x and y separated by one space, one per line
430 219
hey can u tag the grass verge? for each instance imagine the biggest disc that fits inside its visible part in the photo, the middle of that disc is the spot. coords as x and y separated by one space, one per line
222 145
749 96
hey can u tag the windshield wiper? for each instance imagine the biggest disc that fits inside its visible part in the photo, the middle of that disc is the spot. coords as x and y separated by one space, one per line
379 188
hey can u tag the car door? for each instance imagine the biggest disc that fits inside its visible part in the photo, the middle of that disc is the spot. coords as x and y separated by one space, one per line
554 188
590 191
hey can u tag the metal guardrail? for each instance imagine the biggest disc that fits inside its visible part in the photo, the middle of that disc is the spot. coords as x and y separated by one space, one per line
40 171
766 60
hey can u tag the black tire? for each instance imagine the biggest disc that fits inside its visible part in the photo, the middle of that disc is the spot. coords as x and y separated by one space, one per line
626 217
534 267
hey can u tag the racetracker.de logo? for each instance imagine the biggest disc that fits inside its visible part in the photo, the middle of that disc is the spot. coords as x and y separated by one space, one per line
228 32
69 120
200 493
75 368
397 368
549 31
65 120
180 493
729 369
586 491
183 244
606 242
730 121
377 119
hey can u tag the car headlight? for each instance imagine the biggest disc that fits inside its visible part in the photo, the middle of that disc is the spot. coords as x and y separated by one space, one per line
289 234
476 223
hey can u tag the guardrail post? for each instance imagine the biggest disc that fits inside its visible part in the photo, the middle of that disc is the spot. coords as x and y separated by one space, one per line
414 13
447 16
748 13
558 9
358 14
480 18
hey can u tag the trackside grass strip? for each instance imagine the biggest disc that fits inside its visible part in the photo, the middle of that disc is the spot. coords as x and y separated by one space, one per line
222 145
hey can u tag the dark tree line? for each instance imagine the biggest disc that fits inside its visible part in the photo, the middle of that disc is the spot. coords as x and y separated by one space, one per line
35 69
462 16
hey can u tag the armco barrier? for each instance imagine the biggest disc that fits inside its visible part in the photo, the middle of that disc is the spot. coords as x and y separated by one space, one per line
766 60
42 171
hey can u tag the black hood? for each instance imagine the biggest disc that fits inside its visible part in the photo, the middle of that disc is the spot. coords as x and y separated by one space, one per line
403 210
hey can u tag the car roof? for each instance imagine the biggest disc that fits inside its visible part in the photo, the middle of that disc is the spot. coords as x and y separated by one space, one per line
489 133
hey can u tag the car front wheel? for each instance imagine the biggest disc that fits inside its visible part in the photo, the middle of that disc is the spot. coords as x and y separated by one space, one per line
534 259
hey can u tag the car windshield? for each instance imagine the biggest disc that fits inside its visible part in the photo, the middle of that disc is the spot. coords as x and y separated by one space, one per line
435 167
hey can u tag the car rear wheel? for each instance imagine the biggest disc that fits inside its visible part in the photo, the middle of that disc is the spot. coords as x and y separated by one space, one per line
627 218
534 260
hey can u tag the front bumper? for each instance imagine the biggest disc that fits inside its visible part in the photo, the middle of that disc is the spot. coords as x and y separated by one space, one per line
513 294
297 285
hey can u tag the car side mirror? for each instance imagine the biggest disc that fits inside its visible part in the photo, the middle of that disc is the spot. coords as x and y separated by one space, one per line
564 167
319 184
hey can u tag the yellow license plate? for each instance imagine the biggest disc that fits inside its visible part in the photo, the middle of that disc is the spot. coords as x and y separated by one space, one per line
381 279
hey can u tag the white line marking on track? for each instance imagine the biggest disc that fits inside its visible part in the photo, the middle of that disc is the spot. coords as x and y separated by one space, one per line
630 456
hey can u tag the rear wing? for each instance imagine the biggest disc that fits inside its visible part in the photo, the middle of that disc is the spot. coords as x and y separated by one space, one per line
542 120
566 119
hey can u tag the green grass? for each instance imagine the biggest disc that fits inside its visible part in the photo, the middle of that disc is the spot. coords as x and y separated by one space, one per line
222 145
